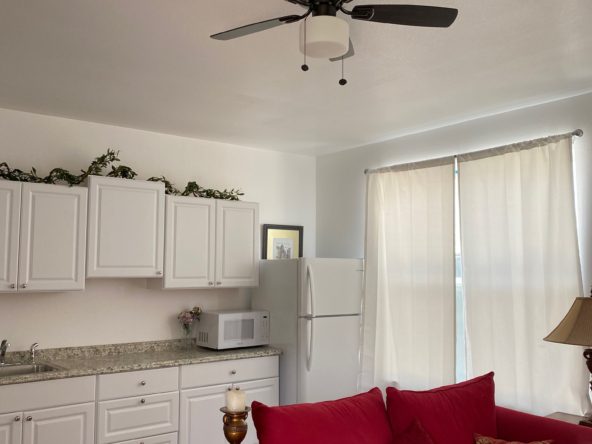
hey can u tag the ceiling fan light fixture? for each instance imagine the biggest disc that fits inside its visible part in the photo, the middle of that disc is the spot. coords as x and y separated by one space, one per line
326 37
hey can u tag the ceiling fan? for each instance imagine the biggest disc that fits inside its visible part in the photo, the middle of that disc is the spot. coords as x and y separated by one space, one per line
324 35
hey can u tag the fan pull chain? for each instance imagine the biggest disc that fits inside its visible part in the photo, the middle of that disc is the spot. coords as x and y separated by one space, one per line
304 66
342 81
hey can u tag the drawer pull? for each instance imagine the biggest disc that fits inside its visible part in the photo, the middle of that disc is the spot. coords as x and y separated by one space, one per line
142 382
17 418
233 372
142 401
29 418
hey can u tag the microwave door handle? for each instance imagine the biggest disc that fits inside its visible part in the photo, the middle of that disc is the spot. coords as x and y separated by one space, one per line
310 342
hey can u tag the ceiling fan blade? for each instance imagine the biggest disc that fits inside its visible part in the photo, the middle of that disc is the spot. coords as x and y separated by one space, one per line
410 15
350 52
255 27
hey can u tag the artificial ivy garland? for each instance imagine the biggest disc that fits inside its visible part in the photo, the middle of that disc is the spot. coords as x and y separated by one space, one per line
62 176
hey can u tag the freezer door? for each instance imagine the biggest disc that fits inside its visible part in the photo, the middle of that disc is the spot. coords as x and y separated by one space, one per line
330 286
328 358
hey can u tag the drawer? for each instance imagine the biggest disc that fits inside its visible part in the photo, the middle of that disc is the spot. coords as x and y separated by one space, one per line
145 382
133 418
169 438
227 372
42 394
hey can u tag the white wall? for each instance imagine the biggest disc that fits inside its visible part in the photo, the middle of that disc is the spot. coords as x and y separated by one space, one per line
122 310
341 181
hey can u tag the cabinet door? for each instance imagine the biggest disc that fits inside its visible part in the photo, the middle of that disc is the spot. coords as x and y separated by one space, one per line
65 425
10 205
201 419
237 244
125 228
132 418
52 238
189 242
11 427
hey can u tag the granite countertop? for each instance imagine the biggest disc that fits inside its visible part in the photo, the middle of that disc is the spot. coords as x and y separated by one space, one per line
115 358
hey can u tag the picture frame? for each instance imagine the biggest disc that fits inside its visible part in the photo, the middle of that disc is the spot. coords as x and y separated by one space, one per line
282 241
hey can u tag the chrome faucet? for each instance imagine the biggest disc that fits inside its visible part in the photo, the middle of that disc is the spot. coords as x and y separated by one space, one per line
32 351
3 347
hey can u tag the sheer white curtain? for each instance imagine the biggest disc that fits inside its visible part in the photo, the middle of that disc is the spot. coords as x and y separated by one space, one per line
409 292
521 272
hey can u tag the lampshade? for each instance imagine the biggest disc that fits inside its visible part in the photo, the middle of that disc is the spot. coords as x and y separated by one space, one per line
576 327
326 36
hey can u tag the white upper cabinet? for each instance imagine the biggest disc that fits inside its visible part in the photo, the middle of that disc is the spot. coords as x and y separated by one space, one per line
211 243
237 244
42 237
52 237
10 205
190 242
126 228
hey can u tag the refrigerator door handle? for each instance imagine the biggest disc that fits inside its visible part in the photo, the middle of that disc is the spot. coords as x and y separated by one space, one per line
310 284
310 344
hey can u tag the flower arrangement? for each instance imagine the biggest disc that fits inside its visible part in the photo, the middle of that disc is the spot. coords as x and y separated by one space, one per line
186 318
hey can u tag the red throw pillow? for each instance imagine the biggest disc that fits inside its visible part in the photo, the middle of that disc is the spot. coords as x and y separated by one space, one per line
360 419
450 415
486 440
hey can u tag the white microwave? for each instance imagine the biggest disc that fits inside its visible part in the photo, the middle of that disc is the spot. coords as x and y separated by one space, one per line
222 329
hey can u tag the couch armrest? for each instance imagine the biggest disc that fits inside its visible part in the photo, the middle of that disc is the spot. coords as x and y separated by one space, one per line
519 426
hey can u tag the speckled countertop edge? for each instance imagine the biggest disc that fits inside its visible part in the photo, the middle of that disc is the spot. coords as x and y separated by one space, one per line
117 358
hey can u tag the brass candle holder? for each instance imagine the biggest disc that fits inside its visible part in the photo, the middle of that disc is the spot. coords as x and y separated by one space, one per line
235 425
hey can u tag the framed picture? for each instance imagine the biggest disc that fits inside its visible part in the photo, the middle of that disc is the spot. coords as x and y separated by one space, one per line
282 241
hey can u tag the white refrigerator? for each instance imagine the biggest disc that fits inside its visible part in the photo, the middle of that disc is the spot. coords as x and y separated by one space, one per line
314 307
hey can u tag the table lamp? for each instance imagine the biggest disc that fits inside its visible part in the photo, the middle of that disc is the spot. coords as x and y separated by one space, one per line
576 329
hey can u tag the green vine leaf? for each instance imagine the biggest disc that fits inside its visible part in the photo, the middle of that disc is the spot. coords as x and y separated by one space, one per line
99 165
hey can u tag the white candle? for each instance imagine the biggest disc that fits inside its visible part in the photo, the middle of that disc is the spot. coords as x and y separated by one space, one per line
235 400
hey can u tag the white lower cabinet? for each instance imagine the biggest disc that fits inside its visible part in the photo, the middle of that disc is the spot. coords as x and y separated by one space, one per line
11 428
169 438
73 424
133 407
203 390
130 418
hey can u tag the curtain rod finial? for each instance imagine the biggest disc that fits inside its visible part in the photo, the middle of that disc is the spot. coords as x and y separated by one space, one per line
578 133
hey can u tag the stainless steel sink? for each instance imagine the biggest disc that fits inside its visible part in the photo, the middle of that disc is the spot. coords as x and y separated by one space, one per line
25 369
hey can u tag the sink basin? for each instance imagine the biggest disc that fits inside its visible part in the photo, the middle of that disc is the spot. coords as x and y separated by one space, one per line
25 369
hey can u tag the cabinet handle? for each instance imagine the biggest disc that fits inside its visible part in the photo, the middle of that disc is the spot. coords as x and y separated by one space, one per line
17 418
142 382
142 401
24 286
211 284
233 372
218 283
29 418
12 285
159 272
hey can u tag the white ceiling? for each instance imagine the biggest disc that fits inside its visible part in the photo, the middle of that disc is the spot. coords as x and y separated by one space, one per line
150 64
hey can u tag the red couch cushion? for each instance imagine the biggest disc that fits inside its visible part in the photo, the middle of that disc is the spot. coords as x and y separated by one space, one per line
449 414
360 419
487 440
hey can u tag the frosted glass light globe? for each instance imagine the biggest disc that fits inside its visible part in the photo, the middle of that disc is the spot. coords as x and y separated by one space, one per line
326 36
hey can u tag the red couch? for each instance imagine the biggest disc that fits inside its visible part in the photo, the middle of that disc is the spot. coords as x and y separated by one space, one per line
520 426
447 415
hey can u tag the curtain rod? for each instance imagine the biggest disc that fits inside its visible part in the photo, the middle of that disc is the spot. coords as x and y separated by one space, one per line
575 133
